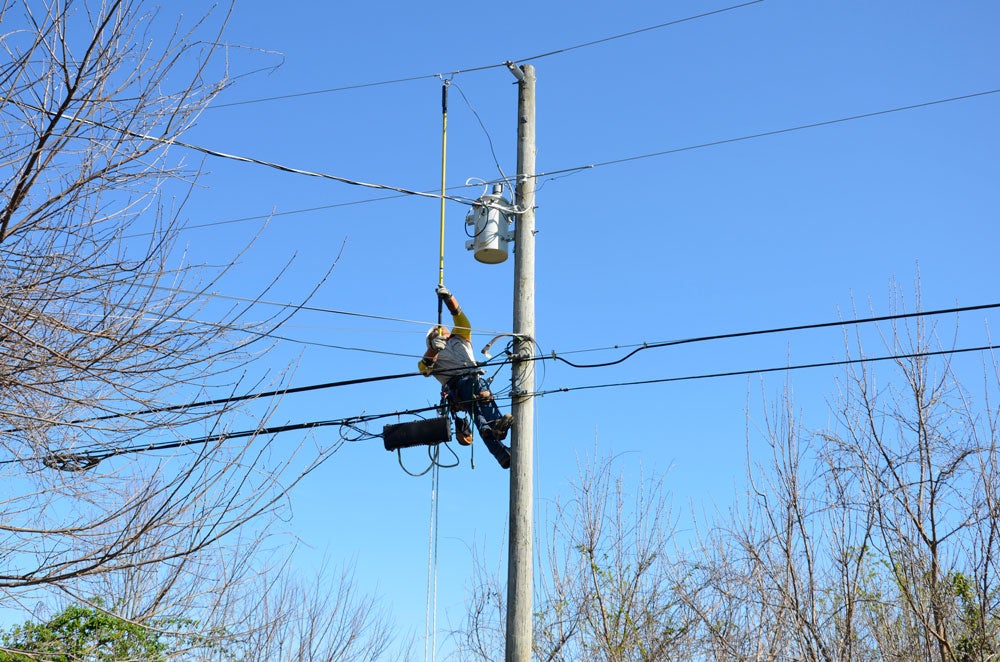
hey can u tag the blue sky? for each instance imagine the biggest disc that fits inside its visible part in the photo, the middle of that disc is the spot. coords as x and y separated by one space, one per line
797 227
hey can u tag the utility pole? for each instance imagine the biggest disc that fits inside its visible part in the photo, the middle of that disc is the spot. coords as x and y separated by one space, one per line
520 575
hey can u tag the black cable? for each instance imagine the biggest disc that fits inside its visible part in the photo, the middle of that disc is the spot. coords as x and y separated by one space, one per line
500 361
760 371
328 90
242 159
92 458
498 65
489 138
784 329
574 169
263 217
639 31
677 150
81 461
765 134
240 398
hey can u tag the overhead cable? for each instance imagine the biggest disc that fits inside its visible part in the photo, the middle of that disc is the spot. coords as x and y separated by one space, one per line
632 33
550 173
496 65
242 159
498 361
765 134
760 371
76 460
86 460
627 159
248 396
783 329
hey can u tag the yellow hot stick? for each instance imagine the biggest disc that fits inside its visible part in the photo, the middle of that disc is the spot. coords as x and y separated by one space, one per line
444 160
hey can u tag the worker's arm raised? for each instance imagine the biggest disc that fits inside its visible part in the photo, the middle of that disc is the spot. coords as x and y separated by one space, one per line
462 328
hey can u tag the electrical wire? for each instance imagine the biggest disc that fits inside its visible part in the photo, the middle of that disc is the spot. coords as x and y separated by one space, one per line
248 328
242 159
554 174
783 329
296 306
482 125
264 217
241 398
766 134
761 371
497 65
94 458
547 174
499 361
632 33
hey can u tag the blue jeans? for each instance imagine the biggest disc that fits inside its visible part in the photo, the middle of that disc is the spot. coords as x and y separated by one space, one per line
462 392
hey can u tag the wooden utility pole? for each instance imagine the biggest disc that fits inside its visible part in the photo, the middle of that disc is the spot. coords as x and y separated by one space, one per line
520 575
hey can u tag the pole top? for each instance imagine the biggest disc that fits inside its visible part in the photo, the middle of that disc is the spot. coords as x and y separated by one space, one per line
516 70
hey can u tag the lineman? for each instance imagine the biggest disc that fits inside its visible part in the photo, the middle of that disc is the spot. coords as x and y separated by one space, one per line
449 357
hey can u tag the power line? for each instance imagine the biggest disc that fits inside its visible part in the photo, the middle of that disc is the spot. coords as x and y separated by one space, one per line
783 329
489 138
766 134
496 65
264 217
760 371
316 309
248 396
601 164
244 159
552 356
328 90
639 31
304 307
467 201
76 461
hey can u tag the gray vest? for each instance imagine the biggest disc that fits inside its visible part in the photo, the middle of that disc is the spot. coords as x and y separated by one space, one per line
455 359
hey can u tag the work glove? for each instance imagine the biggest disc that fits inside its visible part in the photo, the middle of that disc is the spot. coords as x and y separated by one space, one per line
443 292
438 343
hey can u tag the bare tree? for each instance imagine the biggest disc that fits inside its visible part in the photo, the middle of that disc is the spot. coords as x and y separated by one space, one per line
105 328
873 539
327 618
921 458
779 577
606 590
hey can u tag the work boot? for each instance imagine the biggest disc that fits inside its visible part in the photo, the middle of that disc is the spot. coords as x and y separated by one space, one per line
463 431
501 426
502 455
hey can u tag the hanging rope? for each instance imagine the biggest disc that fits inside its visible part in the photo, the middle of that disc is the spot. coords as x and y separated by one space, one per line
430 621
